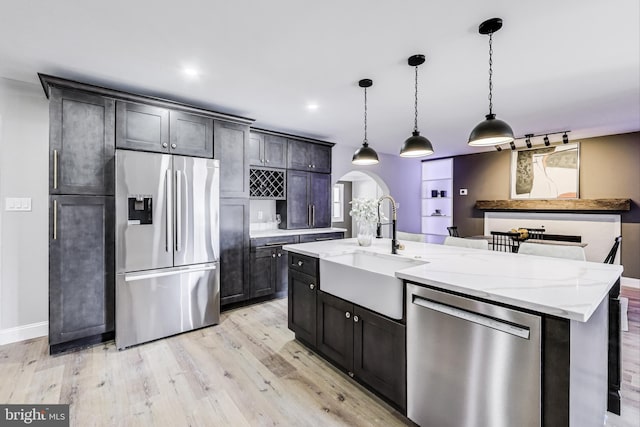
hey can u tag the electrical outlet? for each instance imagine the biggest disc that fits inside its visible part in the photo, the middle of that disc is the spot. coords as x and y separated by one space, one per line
463 191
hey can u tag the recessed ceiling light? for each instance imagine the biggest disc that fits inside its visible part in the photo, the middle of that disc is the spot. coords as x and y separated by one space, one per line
190 72
312 106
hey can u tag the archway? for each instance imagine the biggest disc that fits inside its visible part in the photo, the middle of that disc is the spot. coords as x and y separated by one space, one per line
358 184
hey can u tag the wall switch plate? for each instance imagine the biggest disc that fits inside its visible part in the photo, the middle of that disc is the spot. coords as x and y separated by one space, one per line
463 191
22 204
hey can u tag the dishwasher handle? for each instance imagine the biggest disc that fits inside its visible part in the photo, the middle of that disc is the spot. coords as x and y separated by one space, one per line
489 322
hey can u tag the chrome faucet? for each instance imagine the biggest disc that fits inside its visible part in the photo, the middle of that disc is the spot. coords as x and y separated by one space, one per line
394 241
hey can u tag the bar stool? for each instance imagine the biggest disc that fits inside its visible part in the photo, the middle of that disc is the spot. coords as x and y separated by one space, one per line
453 231
505 241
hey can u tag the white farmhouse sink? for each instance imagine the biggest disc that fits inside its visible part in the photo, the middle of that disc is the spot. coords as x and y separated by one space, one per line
366 279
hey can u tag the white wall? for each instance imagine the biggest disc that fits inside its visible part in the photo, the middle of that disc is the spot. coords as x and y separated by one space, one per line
24 141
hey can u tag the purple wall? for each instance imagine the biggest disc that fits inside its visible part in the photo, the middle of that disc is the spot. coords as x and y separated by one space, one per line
402 176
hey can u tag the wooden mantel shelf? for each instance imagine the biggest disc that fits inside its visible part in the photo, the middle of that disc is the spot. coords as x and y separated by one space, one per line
557 205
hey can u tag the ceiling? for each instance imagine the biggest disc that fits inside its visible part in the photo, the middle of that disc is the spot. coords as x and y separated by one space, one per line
572 64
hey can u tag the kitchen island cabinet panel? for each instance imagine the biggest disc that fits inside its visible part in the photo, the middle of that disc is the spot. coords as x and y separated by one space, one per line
379 354
81 267
81 143
234 250
302 306
334 336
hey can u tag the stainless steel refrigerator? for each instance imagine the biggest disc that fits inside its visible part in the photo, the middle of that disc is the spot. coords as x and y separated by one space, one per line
167 248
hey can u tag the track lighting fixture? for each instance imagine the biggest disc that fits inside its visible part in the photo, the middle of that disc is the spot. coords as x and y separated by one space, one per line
498 148
416 145
512 145
491 131
546 140
565 138
365 155
528 140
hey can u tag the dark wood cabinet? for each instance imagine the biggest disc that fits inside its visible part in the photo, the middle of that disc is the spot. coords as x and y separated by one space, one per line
307 156
234 250
267 150
303 283
319 237
307 204
379 354
190 134
142 127
334 334
81 268
370 347
81 143
150 128
269 267
614 356
231 142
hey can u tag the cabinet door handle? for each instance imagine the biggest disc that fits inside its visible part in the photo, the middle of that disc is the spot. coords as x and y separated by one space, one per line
165 145
273 255
313 166
356 319
55 220
300 263
267 160
173 145
55 169
309 215
313 215
312 286
279 254
347 315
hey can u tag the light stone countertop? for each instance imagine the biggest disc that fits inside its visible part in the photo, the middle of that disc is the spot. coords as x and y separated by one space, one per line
559 287
280 232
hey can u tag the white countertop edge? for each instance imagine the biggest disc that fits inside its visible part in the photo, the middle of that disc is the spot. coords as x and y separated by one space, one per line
580 312
282 232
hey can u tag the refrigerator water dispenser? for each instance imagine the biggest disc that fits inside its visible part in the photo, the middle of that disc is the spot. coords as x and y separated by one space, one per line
140 211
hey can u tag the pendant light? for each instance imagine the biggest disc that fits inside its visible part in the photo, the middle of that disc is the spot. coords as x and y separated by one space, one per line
416 145
492 131
365 155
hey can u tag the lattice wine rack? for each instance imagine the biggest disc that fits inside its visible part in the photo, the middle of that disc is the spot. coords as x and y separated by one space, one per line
267 184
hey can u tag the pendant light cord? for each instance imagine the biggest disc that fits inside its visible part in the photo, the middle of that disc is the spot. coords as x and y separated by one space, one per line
365 116
415 123
490 73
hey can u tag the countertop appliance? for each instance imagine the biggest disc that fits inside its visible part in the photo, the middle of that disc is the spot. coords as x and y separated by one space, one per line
167 245
471 363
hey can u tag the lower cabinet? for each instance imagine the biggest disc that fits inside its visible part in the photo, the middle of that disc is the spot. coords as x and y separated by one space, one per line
81 270
370 347
234 250
269 266
302 301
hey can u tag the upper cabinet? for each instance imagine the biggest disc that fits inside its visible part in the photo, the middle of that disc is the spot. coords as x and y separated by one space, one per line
231 144
308 156
267 150
81 143
150 128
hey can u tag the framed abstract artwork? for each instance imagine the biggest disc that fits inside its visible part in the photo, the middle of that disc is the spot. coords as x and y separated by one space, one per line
546 173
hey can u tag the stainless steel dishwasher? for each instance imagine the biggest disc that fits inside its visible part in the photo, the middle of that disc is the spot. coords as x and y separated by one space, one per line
471 363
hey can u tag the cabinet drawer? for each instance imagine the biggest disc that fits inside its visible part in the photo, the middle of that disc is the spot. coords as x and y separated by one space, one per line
304 264
318 237
273 241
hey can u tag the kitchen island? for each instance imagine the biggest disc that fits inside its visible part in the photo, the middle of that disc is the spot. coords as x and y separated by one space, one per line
569 299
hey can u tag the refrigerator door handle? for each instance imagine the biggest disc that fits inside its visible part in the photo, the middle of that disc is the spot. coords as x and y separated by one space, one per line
167 197
178 211
132 277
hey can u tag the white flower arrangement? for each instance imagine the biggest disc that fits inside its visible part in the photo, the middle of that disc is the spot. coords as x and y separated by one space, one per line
365 210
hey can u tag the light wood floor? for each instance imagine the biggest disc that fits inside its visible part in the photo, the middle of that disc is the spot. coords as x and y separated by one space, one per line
247 371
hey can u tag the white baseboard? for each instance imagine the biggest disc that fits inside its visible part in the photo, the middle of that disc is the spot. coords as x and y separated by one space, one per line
25 332
629 282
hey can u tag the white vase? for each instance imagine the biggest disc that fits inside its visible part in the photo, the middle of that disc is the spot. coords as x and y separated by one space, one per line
365 233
